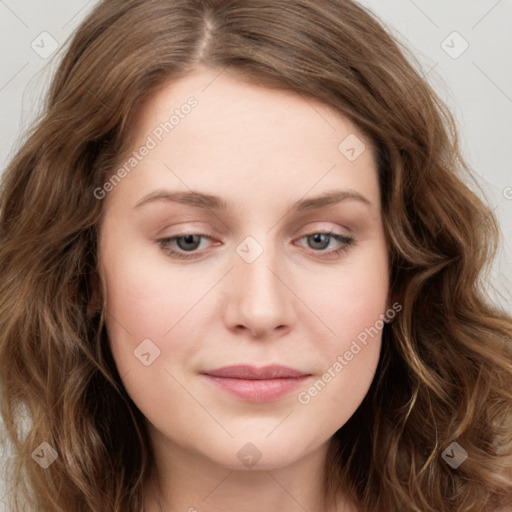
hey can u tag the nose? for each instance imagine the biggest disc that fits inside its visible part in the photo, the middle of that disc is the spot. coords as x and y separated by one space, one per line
258 298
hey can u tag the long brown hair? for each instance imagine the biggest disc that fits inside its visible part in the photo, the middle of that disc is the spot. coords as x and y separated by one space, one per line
445 373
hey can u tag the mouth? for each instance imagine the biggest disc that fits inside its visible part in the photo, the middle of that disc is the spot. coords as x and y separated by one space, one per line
254 384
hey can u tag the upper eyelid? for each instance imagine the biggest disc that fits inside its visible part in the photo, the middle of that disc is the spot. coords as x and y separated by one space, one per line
198 231
208 235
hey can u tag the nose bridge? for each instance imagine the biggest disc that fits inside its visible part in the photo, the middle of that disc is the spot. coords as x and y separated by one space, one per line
259 300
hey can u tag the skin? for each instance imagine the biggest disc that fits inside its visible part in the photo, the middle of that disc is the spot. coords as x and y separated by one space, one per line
260 150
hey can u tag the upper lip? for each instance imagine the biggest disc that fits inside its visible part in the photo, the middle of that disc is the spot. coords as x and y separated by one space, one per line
254 373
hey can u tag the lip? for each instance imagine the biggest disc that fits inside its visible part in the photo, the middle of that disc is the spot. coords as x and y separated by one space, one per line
264 384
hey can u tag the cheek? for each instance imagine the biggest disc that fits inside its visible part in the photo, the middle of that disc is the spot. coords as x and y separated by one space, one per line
353 307
139 307
149 299
148 329
146 297
352 300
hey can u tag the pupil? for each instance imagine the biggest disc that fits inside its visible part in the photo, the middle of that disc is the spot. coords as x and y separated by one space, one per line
317 239
188 239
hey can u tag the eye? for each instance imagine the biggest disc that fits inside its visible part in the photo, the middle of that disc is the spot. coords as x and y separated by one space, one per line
186 243
185 246
320 241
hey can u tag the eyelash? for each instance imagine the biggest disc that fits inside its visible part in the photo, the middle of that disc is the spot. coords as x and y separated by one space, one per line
333 253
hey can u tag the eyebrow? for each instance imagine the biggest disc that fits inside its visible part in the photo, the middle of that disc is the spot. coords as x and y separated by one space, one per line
215 203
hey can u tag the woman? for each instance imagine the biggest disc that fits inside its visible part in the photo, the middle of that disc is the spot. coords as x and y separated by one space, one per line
240 270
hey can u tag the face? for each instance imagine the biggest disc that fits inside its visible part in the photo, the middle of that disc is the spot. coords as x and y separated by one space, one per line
246 270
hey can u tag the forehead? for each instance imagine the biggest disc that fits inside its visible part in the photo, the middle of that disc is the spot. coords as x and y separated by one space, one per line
242 138
228 105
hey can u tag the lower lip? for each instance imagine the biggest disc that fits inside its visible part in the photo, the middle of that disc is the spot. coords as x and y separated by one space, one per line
255 390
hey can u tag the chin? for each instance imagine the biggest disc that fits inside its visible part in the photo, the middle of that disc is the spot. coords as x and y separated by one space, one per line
260 454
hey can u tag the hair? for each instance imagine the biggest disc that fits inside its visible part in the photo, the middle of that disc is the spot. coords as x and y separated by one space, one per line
445 368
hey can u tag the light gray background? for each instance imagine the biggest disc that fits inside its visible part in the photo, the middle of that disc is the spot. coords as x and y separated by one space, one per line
476 85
